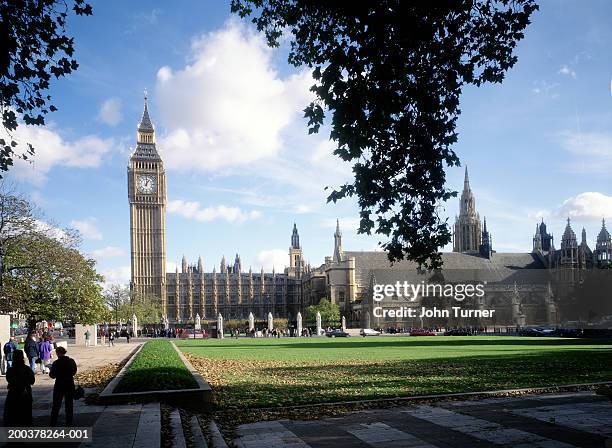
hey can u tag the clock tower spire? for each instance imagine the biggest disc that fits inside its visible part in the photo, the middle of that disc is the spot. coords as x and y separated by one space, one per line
147 198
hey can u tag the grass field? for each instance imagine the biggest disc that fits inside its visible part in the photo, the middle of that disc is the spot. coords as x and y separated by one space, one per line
280 372
156 367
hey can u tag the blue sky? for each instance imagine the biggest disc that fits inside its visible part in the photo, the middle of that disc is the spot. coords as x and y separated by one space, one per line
241 168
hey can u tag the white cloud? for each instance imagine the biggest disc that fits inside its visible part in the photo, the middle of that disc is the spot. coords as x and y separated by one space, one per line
110 112
88 228
120 275
193 210
274 258
592 151
588 205
565 70
51 149
109 252
228 106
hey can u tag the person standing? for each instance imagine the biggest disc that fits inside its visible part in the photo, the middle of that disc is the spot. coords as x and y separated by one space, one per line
18 404
45 350
87 336
111 339
31 350
62 371
8 349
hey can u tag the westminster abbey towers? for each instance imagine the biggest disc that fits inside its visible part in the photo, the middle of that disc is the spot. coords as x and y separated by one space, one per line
147 196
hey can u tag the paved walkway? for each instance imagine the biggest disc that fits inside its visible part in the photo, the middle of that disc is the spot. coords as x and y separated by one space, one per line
112 425
556 421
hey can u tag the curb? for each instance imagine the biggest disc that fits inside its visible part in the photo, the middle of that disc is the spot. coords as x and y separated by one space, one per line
216 439
491 393
111 386
196 398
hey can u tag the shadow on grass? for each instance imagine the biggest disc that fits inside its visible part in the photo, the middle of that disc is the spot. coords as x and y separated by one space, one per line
406 341
156 378
286 385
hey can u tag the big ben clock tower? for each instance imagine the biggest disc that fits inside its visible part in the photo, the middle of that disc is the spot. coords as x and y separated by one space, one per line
147 196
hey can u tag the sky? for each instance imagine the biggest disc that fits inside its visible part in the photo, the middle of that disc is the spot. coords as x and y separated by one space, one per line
241 168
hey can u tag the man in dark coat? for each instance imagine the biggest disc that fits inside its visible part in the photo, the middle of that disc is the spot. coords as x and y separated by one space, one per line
31 350
9 348
18 404
63 371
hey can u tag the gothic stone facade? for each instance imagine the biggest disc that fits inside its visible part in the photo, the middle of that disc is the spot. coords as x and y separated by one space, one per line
529 288
524 288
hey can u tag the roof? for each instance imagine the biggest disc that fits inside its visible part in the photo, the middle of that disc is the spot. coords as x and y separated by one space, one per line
145 122
146 151
501 267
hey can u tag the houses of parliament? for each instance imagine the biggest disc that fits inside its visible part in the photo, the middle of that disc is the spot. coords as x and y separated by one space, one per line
346 277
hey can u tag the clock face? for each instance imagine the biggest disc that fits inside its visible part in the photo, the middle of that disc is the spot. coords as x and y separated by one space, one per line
146 184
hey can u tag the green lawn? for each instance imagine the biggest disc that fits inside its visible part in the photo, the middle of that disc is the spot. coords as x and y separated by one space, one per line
278 372
156 367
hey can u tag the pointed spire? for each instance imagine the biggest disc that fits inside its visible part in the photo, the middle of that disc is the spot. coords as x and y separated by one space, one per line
237 265
485 224
337 243
200 265
466 179
184 264
584 241
145 122
295 237
603 239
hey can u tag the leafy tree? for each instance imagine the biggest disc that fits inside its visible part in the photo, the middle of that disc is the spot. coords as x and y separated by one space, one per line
49 279
330 312
147 308
35 48
117 298
390 74
16 220
123 304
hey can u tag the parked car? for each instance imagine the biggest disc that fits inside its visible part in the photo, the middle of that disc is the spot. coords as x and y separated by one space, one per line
369 332
337 334
422 333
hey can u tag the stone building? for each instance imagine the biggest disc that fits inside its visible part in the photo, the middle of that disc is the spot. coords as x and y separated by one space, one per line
528 288
232 291
524 288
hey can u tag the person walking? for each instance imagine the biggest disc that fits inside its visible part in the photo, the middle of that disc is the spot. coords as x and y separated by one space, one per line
18 403
127 336
45 350
62 371
31 350
87 336
111 339
8 349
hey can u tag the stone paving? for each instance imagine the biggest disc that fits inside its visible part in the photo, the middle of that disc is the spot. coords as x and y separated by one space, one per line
580 419
112 425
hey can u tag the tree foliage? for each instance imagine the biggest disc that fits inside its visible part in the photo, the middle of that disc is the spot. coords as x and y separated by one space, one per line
49 279
330 312
390 74
43 275
35 48
123 304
